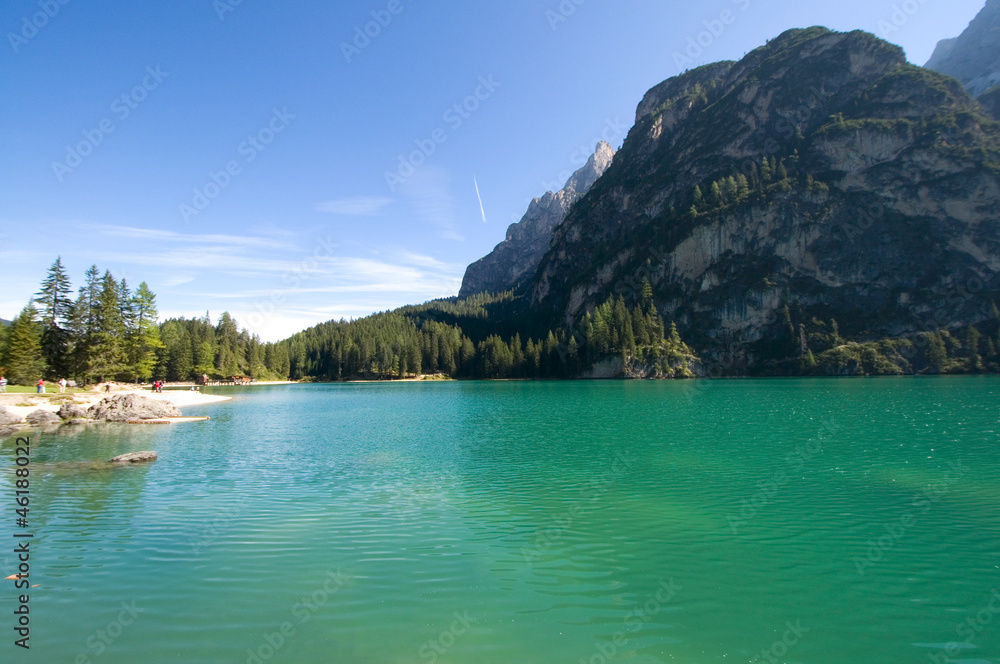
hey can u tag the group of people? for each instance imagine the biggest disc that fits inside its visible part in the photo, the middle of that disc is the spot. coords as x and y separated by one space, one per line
62 383
158 386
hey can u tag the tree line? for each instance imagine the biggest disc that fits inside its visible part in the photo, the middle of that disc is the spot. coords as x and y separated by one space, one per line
111 332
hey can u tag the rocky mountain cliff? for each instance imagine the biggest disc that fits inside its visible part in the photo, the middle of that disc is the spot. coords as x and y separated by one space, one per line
974 56
820 182
515 259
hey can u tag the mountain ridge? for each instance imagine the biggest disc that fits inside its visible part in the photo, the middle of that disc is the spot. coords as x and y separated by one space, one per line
517 257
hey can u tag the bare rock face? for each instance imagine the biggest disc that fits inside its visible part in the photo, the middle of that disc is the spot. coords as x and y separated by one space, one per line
72 411
135 457
515 259
974 56
42 418
876 206
125 407
7 418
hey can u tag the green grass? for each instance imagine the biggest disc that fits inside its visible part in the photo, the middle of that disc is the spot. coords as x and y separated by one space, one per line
51 389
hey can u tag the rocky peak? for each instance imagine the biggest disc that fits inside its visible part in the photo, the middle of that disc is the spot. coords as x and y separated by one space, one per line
821 177
516 258
974 56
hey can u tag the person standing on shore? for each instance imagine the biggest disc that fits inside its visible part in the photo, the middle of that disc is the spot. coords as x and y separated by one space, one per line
41 386
3 383
62 385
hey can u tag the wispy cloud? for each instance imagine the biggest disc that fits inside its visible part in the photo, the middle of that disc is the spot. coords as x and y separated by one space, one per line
429 194
360 206
130 232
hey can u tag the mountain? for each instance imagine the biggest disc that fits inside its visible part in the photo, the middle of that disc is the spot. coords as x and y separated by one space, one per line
516 258
819 193
974 56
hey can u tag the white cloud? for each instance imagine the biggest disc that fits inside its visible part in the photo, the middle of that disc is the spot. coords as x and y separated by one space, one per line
361 206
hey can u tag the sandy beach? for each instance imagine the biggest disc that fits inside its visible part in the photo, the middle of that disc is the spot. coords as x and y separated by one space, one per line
180 398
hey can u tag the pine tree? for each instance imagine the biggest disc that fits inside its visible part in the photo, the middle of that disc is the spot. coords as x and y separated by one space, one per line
699 197
715 197
730 189
107 348
83 324
782 171
56 312
647 293
144 335
765 171
23 358
742 186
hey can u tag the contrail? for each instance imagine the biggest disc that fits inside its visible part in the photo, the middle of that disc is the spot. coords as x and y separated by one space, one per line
479 196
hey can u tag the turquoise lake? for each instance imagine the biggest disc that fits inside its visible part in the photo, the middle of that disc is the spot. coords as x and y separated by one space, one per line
815 521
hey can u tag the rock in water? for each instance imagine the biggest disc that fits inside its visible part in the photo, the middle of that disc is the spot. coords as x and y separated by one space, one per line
7 418
42 418
125 407
135 457
72 411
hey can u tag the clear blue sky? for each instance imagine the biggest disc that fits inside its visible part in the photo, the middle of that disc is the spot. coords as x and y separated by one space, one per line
154 97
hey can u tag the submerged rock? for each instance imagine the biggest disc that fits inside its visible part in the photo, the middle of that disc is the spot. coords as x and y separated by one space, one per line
6 431
42 418
125 407
135 457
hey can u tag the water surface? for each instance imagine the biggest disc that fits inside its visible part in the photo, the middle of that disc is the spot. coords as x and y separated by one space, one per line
822 521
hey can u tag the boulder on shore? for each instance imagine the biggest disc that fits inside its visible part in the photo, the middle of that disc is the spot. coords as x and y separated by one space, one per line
72 411
125 407
135 457
42 418
7 418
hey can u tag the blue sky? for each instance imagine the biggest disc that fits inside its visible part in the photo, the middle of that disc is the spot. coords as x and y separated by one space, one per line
274 160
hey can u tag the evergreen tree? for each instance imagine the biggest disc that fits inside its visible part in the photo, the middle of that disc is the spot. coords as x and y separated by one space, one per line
144 333
715 196
22 359
699 197
56 313
742 186
107 346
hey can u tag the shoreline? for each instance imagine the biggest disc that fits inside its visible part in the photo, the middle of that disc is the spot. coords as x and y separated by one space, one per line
180 398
